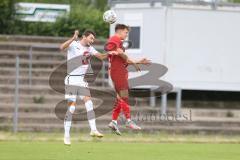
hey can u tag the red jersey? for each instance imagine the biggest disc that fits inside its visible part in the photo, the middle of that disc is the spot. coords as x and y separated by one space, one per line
118 66
117 63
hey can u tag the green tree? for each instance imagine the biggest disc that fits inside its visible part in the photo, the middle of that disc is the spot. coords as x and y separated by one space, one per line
83 15
6 16
101 4
236 1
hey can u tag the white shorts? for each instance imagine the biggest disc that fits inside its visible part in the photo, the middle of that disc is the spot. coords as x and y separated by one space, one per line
75 86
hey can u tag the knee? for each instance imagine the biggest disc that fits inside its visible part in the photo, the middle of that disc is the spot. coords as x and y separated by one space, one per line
71 104
72 109
86 99
89 105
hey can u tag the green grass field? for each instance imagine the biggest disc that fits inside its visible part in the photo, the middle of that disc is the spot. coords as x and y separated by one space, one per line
38 146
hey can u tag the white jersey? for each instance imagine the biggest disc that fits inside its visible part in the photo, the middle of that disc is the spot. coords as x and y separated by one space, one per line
75 49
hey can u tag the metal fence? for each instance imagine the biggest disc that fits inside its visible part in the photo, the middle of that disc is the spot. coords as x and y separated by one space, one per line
103 77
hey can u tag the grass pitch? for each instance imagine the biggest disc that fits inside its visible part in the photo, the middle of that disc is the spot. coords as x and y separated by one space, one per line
35 146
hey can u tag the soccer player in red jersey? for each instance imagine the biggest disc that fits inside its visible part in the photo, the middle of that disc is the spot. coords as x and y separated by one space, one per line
119 75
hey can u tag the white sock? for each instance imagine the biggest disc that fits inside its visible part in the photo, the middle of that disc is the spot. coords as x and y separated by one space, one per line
115 121
67 126
91 115
68 121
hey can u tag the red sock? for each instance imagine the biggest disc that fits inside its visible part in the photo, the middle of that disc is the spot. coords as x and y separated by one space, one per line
116 110
126 107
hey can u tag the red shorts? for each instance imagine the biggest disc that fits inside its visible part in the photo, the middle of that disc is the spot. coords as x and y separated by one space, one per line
120 81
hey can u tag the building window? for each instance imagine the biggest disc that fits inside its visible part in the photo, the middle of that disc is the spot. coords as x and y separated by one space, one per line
134 36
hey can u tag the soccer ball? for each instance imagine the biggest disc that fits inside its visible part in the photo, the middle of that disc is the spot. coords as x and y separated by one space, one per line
110 16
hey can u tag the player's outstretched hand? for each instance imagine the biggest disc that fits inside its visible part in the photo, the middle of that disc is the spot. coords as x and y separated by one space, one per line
75 36
145 61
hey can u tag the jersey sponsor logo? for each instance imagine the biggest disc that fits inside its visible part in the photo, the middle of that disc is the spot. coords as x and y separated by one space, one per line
86 58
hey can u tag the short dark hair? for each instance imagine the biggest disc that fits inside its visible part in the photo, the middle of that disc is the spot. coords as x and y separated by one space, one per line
86 33
121 26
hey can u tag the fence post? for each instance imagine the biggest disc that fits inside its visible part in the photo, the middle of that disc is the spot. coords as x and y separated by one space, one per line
164 104
30 66
16 98
178 101
152 98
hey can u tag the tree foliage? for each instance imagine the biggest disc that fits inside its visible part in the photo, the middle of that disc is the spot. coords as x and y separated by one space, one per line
84 15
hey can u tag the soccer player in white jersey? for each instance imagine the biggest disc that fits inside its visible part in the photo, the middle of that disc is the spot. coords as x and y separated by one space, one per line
79 48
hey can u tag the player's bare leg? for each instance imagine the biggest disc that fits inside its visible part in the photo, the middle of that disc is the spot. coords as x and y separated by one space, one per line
91 117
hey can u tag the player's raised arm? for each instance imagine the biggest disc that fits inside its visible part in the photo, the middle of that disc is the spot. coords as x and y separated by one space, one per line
103 56
122 54
141 61
66 44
